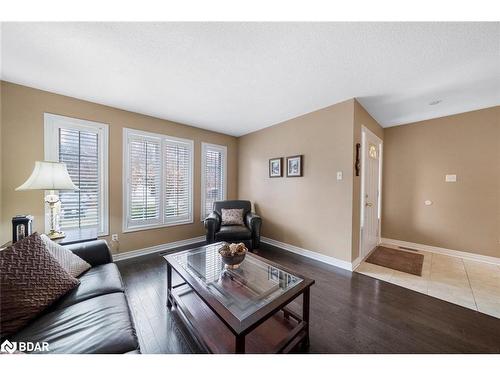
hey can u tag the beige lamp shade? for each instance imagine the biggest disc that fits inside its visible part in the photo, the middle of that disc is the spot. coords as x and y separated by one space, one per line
48 175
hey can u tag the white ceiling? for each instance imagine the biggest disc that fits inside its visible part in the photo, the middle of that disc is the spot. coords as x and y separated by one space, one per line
236 78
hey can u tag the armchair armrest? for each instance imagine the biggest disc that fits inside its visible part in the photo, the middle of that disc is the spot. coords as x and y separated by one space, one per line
93 252
252 220
212 225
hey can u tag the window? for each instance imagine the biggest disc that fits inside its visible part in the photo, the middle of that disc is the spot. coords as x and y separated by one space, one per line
83 146
213 179
158 180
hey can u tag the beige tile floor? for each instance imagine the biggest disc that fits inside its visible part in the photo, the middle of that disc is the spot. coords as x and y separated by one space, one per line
475 285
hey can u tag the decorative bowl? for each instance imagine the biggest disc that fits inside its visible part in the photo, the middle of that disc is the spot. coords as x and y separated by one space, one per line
232 255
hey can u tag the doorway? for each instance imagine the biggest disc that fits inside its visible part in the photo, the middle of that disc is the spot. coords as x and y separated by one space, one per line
371 188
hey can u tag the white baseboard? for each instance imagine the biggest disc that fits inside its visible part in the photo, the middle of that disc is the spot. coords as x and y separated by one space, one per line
157 248
309 254
442 250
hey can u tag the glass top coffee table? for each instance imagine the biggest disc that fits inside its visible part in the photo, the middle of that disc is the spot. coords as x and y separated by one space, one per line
238 310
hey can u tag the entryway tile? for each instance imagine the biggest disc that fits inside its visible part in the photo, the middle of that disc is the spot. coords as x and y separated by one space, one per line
468 283
485 282
375 271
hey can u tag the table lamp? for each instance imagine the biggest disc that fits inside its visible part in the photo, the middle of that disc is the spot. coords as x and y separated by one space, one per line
48 175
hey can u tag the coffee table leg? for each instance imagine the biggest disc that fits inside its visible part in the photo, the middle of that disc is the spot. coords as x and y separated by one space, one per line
305 314
169 285
240 344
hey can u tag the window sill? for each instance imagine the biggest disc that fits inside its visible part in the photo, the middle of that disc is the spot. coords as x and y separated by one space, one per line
149 227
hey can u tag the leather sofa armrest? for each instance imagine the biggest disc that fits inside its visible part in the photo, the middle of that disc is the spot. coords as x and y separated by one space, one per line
93 252
212 225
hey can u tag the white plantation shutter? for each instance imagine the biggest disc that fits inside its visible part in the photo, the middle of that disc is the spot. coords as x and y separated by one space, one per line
79 150
213 176
144 180
158 171
178 179
82 146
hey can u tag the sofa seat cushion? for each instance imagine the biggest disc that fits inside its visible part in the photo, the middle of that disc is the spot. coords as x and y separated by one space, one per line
97 281
98 325
233 233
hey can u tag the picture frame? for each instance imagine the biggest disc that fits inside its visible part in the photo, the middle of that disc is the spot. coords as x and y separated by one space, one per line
294 166
275 167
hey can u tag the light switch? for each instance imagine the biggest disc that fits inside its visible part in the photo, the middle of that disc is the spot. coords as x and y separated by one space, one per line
339 176
451 178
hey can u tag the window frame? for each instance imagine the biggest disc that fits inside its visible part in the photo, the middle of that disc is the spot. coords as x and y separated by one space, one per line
220 148
127 132
52 124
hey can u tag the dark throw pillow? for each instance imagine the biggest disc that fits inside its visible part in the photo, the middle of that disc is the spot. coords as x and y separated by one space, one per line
31 279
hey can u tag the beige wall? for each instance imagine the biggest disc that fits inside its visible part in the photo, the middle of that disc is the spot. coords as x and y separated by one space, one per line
464 215
313 212
361 118
22 144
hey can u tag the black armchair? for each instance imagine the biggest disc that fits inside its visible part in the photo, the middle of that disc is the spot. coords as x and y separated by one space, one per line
249 233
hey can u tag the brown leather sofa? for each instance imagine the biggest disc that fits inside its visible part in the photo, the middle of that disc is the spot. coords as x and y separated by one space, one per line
92 318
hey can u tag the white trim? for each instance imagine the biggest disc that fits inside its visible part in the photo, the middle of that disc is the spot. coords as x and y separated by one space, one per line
162 221
361 258
157 249
223 150
357 262
309 254
52 124
442 250
364 131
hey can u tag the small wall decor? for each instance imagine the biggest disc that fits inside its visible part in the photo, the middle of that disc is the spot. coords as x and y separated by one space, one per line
357 165
276 167
294 166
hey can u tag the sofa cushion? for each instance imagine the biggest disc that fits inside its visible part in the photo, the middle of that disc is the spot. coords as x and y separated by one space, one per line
31 279
72 263
233 233
98 325
97 281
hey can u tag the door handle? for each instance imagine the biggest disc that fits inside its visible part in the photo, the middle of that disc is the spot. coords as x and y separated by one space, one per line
368 204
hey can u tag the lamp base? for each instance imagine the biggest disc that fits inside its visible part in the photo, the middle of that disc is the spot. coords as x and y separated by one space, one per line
54 235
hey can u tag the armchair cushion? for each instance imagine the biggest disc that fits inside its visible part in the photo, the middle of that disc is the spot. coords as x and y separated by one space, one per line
233 233
245 205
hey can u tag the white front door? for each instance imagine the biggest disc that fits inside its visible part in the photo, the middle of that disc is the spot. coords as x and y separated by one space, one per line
371 167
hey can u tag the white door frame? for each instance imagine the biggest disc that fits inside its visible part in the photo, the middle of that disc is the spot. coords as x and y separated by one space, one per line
365 130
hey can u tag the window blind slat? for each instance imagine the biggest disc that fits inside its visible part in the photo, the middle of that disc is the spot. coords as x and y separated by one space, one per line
159 173
177 181
214 176
79 150
144 191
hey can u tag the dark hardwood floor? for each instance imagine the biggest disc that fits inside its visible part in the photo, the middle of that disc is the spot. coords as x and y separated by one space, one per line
350 313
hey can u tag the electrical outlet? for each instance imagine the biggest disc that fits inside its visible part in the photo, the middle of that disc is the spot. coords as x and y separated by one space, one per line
114 237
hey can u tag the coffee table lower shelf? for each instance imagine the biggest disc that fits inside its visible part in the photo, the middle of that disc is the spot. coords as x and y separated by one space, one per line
280 333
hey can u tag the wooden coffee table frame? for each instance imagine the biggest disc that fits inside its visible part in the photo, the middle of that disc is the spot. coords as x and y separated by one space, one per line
240 329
